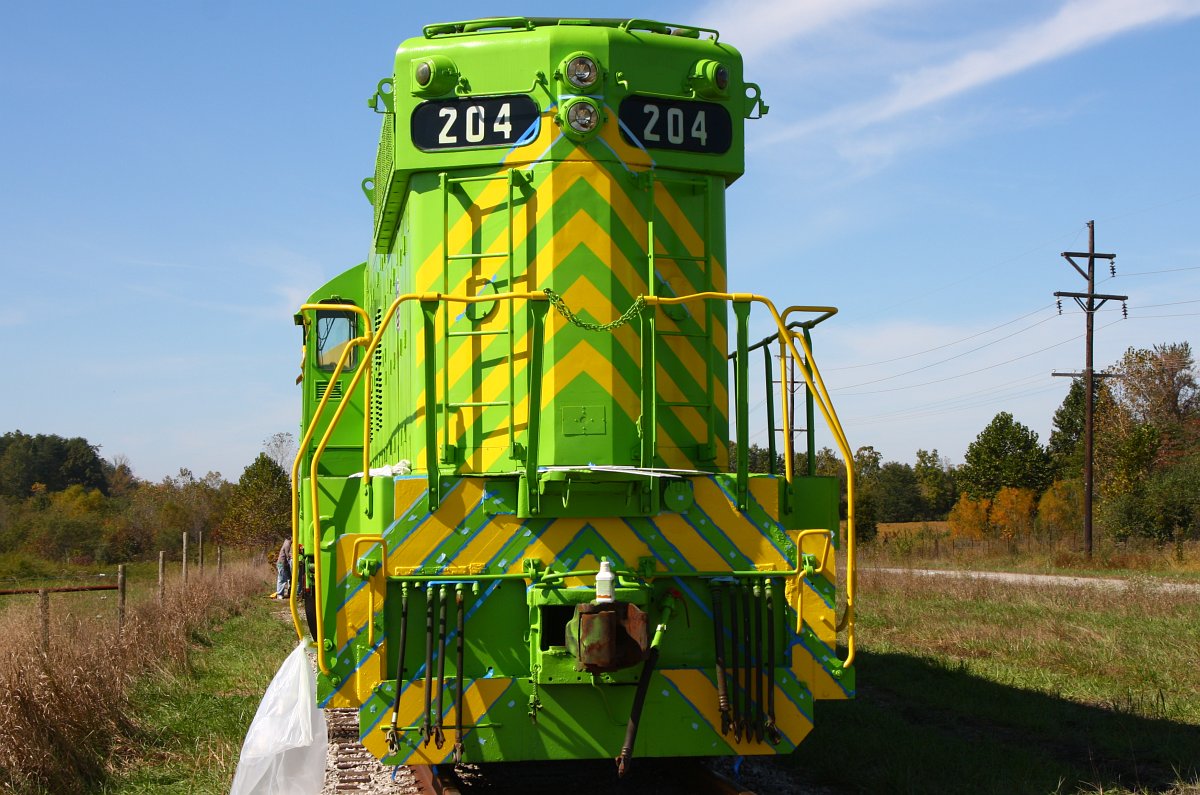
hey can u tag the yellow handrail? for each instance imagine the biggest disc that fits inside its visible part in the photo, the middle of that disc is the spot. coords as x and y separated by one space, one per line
308 434
811 375
370 591
376 337
823 402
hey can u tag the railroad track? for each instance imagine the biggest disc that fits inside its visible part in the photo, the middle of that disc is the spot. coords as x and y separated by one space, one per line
351 768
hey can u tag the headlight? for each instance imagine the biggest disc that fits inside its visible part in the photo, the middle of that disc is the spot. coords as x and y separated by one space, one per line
582 72
580 117
583 117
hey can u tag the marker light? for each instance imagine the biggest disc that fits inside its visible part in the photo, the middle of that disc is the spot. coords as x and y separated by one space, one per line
710 79
434 75
582 72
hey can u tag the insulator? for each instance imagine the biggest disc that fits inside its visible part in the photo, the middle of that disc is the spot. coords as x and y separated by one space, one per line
1124 310
1059 302
1112 269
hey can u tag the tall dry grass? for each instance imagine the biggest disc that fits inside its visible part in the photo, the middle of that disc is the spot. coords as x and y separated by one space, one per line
64 715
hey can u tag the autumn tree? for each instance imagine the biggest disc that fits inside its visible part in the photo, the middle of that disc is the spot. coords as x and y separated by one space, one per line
1005 453
969 518
1011 514
260 509
1060 512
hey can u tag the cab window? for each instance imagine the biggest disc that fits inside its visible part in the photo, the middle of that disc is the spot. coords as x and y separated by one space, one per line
334 331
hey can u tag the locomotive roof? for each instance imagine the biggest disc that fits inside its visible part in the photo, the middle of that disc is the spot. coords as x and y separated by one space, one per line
495 24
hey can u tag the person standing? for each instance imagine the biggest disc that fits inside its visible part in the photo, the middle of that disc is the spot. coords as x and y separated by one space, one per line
283 570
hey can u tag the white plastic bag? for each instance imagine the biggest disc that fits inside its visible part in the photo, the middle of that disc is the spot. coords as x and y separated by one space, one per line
284 752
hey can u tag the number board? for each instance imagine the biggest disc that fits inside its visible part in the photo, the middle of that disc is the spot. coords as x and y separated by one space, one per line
683 125
473 122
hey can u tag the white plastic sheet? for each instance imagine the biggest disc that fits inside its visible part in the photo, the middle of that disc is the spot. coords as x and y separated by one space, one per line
284 752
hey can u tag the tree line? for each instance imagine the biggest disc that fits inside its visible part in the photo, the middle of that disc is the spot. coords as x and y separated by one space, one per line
60 500
1012 487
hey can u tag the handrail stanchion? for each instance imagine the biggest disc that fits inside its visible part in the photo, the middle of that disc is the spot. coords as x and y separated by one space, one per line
741 311
301 448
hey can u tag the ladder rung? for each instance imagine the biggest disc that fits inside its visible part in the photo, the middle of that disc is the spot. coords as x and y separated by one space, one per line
461 180
477 333
681 259
476 256
478 404
698 183
683 404
700 334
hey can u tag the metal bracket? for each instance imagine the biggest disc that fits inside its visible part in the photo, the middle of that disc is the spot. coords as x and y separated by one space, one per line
383 93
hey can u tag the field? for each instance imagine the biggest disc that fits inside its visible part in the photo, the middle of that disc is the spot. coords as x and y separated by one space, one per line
84 710
965 686
929 545
978 686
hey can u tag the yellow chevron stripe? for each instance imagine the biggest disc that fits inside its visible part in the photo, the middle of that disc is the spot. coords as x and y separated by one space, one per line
673 214
459 502
479 697
683 537
702 693
586 359
748 538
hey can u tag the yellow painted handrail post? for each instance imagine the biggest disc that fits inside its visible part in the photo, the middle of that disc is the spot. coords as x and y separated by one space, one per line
383 556
816 386
362 368
308 434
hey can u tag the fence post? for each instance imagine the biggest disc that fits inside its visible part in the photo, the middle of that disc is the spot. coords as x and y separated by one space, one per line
185 560
120 601
201 556
44 611
219 561
162 577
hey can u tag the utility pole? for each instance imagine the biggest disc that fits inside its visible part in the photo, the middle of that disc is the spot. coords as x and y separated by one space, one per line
1089 302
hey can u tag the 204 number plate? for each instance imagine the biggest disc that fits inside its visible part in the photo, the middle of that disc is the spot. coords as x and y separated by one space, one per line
684 125
473 122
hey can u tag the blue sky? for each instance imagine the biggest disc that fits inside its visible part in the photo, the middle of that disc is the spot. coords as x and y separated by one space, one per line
176 177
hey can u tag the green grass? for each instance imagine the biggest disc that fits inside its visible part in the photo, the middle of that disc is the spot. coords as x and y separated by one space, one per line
192 725
969 686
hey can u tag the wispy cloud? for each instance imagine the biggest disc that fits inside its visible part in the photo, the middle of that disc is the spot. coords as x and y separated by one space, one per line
1076 26
774 23
11 317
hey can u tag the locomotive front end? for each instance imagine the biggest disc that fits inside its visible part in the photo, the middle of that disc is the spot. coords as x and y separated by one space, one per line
528 534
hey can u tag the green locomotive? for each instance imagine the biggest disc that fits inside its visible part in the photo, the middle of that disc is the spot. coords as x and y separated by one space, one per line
525 534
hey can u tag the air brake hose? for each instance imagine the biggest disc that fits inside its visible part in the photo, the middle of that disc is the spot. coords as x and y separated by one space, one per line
733 648
639 698
430 613
718 596
773 596
757 601
393 738
439 738
458 668
748 660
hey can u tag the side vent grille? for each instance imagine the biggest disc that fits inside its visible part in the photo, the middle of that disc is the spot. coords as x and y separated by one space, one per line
377 381
383 165
335 395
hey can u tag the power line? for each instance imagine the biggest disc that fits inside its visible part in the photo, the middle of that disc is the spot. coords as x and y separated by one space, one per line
946 345
957 356
969 372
